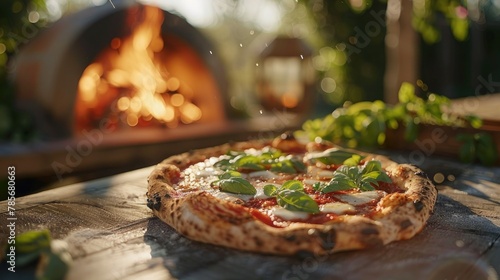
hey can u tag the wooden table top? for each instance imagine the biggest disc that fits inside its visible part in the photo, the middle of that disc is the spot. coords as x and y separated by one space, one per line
113 235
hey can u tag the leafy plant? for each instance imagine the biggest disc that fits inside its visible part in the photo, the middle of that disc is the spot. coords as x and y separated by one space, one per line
36 246
291 196
350 177
365 123
477 146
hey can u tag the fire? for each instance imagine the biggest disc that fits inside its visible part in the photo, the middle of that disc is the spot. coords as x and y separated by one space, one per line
129 82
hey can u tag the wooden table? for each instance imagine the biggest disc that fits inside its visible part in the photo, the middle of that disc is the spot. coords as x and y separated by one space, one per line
112 235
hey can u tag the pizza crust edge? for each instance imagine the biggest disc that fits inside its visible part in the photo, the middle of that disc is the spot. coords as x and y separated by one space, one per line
202 217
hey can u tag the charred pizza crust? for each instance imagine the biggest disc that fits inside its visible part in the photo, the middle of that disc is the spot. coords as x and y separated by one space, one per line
203 217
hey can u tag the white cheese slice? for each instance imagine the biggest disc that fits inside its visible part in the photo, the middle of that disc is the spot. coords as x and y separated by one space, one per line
318 172
310 155
336 208
264 174
361 198
289 215
231 196
311 181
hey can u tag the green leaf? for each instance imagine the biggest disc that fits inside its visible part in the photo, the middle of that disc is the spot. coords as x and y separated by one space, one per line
371 176
332 156
292 185
283 167
406 93
467 151
295 200
236 185
230 174
474 121
291 196
340 182
411 131
372 165
270 190
251 166
352 161
223 164
248 162
486 149
366 186
298 165
33 241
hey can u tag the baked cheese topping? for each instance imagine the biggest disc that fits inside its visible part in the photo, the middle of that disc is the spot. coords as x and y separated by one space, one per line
306 187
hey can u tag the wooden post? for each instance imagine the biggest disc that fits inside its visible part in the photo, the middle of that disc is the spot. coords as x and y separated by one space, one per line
402 46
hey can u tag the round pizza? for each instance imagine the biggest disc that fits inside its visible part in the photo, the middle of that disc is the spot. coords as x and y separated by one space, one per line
284 197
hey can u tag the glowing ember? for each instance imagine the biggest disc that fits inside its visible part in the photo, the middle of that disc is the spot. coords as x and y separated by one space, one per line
129 82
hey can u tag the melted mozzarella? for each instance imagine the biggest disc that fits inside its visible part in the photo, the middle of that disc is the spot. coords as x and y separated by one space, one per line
264 174
206 172
310 155
336 208
361 198
318 172
231 196
311 181
289 215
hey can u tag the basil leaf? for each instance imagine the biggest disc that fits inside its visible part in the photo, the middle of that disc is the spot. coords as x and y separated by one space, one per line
295 200
223 164
332 156
293 185
372 165
248 162
383 177
251 166
406 93
340 182
371 176
283 167
366 186
271 154
373 169
230 174
33 241
236 185
352 161
485 148
298 165
270 190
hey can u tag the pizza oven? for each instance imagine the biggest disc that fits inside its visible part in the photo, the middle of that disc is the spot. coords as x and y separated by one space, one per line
122 86
120 68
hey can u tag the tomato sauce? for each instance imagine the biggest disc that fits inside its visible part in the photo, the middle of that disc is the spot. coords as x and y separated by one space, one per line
389 187
266 219
261 203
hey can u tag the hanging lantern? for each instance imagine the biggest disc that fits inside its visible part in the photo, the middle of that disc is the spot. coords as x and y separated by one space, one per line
285 76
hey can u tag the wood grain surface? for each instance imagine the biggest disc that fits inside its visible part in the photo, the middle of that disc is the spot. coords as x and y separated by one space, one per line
113 235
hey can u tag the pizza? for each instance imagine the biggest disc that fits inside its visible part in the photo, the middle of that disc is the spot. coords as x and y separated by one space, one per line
282 196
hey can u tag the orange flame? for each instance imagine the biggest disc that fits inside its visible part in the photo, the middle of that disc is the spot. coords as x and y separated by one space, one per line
131 76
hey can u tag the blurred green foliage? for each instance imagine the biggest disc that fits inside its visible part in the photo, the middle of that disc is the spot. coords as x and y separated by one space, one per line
20 20
353 34
354 49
